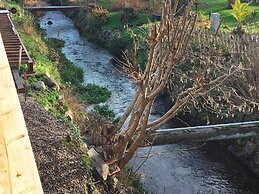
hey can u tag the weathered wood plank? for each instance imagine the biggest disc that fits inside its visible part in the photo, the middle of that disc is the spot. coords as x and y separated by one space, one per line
19 82
15 62
18 171
16 56
98 163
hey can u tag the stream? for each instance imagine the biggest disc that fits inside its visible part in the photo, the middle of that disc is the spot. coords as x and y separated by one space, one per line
172 169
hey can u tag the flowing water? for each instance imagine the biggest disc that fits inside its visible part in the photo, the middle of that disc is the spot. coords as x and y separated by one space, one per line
172 169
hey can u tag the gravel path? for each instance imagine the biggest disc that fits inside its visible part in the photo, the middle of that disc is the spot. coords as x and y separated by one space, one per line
60 167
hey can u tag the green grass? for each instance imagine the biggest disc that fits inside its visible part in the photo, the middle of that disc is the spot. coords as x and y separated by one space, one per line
49 99
68 71
105 4
220 6
143 18
114 21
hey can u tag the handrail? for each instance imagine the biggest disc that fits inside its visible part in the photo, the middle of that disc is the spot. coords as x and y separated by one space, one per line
24 48
217 126
18 170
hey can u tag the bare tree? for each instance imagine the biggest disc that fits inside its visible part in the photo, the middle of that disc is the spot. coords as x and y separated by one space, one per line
167 43
199 85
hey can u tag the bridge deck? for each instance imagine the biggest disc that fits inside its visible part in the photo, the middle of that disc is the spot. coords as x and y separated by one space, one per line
205 133
18 171
52 8
12 42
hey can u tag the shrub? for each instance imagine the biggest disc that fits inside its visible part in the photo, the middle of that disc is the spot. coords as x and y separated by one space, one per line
93 94
92 23
240 11
104 112
71 73
101 16
117 43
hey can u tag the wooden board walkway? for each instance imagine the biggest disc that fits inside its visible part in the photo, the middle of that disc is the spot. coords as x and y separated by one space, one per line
52 8
13 43
18 171
205 133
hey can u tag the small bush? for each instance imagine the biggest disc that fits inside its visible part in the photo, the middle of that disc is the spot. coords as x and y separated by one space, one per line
93 94
96 20
55 43
117 43
71 73
101 15
104 112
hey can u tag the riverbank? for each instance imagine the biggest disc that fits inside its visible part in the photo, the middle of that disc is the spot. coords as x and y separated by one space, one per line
174 176
177 176
247 152
196 117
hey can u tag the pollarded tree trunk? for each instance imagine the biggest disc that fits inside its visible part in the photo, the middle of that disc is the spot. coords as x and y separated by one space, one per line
167 43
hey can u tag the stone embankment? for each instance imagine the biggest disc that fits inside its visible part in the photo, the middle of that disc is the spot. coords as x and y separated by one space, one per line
248 153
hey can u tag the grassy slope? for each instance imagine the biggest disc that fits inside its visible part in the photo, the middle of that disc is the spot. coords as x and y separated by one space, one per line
205 8
47 58
220 6
115 23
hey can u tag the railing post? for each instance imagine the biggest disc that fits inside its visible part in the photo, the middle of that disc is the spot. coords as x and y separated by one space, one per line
20 59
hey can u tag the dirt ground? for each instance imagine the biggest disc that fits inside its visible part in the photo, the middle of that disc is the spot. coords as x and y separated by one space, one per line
61 168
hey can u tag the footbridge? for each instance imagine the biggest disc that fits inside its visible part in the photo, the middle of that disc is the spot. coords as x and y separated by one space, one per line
61 7
205 133
53 8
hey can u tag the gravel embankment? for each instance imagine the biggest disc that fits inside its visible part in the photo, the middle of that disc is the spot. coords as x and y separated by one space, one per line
61 168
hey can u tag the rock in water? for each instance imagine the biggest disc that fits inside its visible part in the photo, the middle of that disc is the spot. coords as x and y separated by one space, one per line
49 22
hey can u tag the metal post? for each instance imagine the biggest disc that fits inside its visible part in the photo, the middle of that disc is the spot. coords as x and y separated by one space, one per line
215 21
25 86
20 59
